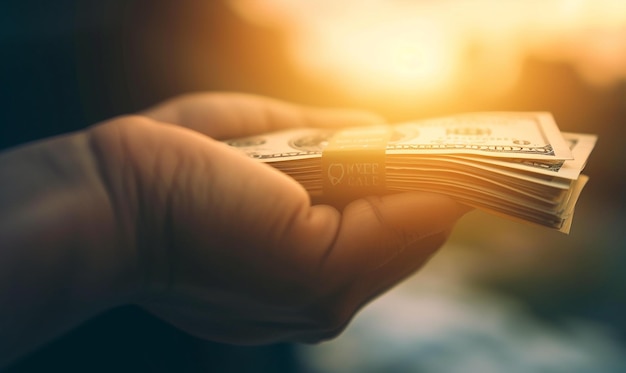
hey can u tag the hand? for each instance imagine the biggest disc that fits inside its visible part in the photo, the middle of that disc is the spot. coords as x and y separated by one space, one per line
232 250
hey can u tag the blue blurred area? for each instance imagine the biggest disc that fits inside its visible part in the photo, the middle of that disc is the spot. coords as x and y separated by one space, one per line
446 325
68 64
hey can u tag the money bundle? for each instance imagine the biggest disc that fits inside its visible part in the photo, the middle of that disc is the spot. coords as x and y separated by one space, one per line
514 164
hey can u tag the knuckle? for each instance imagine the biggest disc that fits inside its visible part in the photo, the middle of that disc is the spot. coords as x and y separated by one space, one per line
391 240
125 122
373 206
133 120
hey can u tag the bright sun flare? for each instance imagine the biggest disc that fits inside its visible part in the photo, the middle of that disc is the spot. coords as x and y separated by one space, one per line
429 48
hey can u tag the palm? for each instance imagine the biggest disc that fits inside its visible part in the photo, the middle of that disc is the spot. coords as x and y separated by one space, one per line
233 249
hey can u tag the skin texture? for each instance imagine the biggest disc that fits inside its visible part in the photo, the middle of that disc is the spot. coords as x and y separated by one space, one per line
153 209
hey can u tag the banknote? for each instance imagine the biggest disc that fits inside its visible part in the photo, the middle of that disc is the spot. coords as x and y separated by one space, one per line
580 144
513 164
516 135
529 171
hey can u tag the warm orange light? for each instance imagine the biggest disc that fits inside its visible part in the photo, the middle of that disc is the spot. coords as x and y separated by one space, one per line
399 58
429 49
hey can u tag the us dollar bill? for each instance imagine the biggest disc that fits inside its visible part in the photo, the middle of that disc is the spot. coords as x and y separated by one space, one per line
512 135
528 171
514 164
580 144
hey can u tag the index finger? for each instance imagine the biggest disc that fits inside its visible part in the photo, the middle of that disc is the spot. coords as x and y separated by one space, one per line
230 115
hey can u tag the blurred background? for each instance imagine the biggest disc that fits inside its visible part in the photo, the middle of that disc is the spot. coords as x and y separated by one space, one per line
500 296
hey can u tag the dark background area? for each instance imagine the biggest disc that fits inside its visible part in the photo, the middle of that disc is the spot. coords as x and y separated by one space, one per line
66 65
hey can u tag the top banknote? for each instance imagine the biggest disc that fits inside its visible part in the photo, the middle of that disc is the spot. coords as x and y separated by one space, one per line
526 135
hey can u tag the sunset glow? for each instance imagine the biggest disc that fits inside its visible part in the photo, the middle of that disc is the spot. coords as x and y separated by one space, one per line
430 49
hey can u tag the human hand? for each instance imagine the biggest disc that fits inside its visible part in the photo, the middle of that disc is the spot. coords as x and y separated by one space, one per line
230 249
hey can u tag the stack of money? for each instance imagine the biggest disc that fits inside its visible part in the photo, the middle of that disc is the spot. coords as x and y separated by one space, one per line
514 164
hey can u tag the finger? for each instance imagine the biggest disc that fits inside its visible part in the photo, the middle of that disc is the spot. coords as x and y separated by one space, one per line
390 274
231 115
381 239
365 289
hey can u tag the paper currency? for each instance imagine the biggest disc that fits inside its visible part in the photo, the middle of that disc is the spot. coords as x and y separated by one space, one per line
513 164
